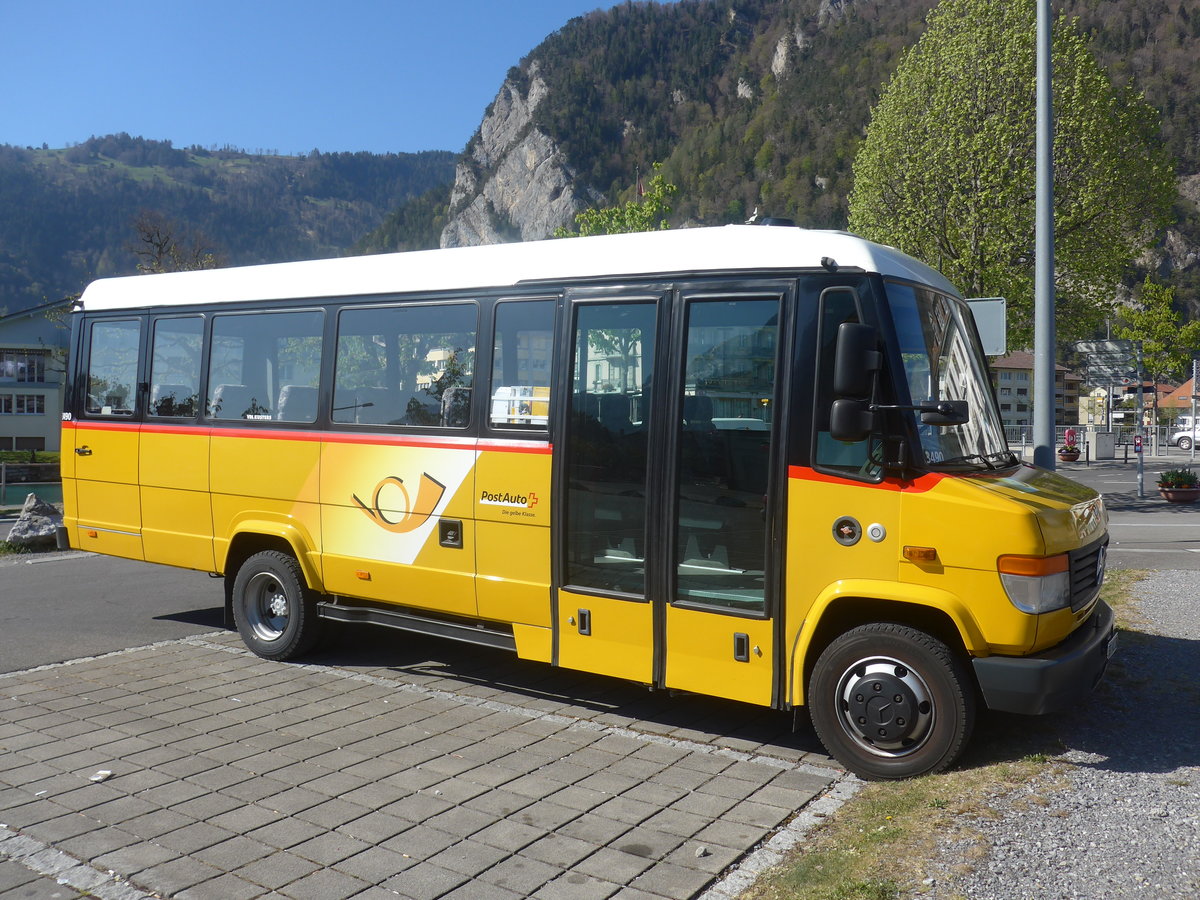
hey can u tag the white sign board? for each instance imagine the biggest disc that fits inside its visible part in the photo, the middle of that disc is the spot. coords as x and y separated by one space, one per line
991 318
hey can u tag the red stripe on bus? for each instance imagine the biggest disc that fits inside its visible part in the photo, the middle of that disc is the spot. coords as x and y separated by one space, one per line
917 485
436 442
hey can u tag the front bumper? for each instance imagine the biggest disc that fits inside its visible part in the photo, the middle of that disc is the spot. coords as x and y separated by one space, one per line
1055 678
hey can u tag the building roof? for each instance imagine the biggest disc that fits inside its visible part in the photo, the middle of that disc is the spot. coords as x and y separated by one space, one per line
1019 359
1181 396
32 310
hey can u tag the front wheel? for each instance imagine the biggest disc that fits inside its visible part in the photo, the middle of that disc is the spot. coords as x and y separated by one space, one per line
1185 443
275 611
889 701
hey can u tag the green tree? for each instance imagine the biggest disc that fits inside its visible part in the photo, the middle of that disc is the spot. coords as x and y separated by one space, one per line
1167 342
946 171
647 212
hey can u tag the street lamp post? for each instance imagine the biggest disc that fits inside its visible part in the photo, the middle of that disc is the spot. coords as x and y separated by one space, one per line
1043 320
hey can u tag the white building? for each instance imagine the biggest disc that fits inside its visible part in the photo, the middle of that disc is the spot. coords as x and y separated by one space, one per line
33 349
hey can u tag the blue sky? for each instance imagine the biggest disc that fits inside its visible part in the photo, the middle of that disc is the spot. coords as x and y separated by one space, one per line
397 76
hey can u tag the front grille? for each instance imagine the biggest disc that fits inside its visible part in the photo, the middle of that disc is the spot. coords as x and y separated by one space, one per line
1087 572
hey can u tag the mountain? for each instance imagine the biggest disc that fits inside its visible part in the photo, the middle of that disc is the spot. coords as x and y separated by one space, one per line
749 104
68 214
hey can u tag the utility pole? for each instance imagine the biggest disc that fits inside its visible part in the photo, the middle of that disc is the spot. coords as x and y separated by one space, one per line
1043 302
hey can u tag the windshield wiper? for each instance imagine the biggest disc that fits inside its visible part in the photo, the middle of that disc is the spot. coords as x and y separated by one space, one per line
1006 458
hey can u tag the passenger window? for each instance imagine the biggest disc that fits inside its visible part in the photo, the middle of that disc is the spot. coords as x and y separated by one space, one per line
265 366
725 427
608 422
521 358
175 367
113 367
405 365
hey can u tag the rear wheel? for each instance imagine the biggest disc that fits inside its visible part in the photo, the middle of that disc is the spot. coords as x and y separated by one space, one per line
275 611
1184 443
889 701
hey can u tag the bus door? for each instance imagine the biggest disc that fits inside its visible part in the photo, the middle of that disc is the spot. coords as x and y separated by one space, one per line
105 449
667 562
605 621
722 496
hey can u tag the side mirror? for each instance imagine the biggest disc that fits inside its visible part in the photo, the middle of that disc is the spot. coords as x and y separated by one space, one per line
851 420
856 361
945 412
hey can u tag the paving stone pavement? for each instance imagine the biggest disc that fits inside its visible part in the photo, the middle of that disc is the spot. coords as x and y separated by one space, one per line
388 766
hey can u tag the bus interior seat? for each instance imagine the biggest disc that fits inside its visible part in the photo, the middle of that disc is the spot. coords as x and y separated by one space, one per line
172 400
235 401
297 403
697 413
612 410
456 407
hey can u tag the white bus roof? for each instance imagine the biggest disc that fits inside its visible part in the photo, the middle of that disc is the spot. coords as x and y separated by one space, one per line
732 248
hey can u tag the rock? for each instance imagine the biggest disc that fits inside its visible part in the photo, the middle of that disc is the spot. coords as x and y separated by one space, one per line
35 527
514 183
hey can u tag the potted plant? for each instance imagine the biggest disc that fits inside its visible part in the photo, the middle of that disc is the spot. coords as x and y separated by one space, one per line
1179 485
1069 451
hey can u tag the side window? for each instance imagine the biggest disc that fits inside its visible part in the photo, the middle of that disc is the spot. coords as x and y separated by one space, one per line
265 366
608 424
838 305
112 368
521 357
725 428
175 366
405 365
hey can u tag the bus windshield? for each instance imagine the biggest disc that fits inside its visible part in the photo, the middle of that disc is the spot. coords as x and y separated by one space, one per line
943 361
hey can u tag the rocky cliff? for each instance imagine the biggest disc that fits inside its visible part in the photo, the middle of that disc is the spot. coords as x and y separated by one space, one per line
513 183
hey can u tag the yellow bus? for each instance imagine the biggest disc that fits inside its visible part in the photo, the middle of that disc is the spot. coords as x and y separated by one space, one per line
759 463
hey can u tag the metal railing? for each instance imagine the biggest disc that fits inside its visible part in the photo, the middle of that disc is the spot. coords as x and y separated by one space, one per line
22 479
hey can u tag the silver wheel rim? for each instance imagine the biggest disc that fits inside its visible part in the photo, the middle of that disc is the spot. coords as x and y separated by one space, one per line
885 707
266 607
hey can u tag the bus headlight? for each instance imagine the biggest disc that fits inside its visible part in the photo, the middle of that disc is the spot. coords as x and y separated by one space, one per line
1036 584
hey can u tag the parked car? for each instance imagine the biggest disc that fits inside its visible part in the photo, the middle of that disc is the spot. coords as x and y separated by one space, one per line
1184 439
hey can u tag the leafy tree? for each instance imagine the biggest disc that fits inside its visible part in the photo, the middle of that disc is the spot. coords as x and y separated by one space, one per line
1167 343
647 212
946 171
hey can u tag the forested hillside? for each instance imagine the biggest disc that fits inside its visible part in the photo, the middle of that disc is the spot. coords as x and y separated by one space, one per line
747 103
68 215
763 103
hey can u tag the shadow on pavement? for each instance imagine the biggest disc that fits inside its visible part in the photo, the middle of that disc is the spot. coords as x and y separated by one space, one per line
609 701
1141 718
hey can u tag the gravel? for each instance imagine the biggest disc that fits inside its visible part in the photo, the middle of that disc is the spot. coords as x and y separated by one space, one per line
1120 816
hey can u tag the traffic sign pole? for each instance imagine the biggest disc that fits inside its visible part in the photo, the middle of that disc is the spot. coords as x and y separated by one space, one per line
1141 457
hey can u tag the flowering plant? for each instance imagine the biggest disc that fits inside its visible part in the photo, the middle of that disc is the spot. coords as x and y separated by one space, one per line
1178 478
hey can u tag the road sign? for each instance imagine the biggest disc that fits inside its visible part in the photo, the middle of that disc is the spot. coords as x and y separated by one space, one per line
1111 372
1108 358
1102 346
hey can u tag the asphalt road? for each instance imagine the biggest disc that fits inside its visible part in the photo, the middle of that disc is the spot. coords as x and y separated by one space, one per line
1145 532
60 606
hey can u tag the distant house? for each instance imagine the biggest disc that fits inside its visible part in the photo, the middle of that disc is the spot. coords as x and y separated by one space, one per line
33 350
1179 402
1012 377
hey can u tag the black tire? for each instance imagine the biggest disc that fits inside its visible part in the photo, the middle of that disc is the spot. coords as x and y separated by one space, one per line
889 702
1184 443
275 611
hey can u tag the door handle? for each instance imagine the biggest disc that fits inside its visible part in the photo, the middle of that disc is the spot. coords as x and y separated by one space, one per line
85 450
585 621
741 647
